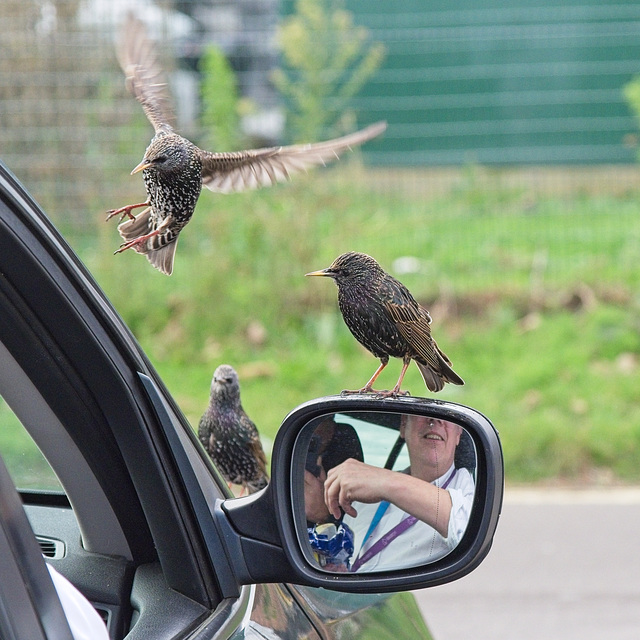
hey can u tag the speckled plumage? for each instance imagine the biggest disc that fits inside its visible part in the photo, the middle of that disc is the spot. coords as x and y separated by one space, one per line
174 169
384 317
229 435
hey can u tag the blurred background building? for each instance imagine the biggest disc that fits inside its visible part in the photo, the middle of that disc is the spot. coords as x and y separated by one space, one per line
528 84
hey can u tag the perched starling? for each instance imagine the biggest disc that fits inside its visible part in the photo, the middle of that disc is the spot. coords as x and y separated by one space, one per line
229 435
385 318
174 169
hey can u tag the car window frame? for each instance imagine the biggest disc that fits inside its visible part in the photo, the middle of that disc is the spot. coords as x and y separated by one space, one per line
61 330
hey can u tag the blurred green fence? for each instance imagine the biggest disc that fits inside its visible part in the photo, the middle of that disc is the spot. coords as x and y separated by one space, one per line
527 82
476 85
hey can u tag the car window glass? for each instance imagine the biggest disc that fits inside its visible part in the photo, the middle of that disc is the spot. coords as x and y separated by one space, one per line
27 466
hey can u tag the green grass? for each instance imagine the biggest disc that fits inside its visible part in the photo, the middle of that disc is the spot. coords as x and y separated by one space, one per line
534 298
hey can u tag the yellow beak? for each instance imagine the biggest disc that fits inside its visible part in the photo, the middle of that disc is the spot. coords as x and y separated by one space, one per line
143 165
322 272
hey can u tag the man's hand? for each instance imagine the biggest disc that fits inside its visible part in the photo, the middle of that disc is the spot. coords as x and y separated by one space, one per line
355 481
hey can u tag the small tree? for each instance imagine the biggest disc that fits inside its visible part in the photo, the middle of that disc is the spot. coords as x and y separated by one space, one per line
219 94
327 62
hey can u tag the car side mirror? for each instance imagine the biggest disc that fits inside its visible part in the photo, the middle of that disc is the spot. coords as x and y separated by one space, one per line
420 537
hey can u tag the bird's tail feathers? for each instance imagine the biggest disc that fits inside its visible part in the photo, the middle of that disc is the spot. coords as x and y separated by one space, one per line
445 368
435 379
132 229
162 259
160 255
432 378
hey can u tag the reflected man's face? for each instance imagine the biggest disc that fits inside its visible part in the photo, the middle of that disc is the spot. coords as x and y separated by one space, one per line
431 444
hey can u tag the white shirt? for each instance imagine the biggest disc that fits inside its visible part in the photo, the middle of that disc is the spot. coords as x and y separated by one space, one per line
83 619
420 543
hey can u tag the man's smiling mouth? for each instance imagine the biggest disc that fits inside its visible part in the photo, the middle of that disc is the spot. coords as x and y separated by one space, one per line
434 436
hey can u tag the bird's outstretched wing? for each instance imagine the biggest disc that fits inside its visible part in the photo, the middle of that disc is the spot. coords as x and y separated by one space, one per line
243 170
145 79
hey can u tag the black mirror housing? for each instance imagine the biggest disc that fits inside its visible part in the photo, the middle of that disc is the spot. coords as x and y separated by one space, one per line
266 525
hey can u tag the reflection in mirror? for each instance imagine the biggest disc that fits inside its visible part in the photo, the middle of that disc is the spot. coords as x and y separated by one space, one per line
385 491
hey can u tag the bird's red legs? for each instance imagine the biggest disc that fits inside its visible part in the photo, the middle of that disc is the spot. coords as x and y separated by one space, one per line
230 484
396 390
140 240
137 242
368 388
126 211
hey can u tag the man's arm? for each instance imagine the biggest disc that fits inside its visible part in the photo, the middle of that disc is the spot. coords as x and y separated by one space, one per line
354 481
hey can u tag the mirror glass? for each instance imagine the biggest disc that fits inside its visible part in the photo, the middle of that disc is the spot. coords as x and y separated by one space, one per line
383 491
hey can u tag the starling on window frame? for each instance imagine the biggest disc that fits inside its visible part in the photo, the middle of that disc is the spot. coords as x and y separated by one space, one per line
174 169
384 317
229 435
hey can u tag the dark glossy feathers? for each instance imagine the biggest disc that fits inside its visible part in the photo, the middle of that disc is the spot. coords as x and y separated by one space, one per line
384 317
229 435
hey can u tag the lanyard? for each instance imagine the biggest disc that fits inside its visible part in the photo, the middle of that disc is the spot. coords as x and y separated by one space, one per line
391 535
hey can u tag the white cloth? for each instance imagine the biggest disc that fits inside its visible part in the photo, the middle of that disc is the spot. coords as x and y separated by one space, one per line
421 543
84 621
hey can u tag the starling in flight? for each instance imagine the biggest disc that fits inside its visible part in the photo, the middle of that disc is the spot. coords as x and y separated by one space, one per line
229 435
385 318
174 169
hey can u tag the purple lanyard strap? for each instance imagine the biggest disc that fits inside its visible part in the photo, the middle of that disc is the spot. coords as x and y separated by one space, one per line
391 535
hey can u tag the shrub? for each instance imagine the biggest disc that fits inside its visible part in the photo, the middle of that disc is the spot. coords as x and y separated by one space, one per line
327 61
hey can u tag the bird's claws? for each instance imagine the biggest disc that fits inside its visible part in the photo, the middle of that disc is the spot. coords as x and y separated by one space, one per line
391 394
137 244
132 244
125 212
377 393
355 392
